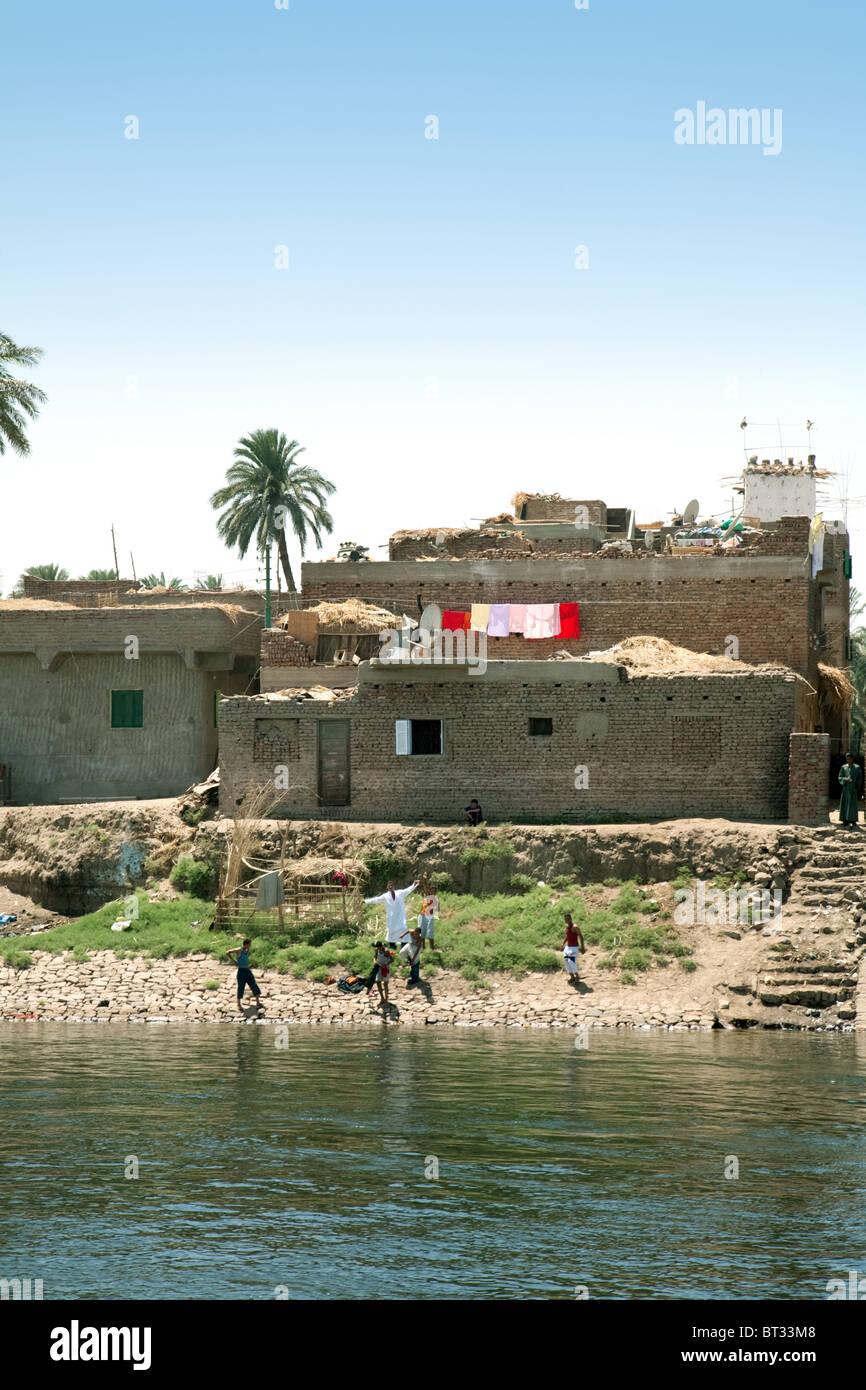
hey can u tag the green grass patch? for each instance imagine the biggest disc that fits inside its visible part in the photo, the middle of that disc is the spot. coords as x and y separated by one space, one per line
487 852
512 933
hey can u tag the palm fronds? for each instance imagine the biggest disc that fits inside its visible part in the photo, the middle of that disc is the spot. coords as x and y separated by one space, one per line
19 400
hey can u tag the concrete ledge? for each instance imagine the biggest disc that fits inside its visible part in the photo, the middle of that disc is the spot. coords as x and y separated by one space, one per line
510 672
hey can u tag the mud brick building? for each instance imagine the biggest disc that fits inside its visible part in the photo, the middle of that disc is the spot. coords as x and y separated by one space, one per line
565 741
82 718
755 596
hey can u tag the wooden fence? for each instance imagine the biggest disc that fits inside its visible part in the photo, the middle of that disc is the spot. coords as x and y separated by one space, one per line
305 905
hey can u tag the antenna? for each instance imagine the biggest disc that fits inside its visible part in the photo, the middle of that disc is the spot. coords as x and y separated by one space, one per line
691 512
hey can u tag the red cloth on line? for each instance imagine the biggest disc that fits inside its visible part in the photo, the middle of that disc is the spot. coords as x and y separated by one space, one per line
455 622
569 620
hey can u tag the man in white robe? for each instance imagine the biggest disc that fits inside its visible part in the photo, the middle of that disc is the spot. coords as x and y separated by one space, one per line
395 909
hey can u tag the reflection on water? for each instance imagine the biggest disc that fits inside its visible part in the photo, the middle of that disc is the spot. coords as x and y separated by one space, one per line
305 1167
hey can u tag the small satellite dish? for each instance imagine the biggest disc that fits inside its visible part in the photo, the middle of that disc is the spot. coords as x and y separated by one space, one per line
691 512
440 538
431 618
649 539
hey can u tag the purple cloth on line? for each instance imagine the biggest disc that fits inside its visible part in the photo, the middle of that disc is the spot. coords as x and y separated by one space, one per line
497 625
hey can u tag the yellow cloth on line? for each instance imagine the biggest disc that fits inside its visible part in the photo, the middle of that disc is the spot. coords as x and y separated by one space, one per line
480 617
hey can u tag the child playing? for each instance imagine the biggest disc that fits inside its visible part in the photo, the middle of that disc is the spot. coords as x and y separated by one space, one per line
241 956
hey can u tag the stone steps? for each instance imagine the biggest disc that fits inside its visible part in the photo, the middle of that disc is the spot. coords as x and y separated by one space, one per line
812 997
828 873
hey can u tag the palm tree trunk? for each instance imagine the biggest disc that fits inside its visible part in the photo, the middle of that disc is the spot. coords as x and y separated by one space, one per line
284 561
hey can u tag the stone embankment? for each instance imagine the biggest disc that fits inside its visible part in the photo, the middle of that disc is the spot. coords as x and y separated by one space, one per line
106 989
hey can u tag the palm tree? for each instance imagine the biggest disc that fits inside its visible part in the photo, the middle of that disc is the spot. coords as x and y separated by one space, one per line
19 400
213 581
54 572
857 668
99 576
266 490
159 581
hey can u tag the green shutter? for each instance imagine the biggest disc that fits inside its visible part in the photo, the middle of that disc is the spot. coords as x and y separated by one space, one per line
127 709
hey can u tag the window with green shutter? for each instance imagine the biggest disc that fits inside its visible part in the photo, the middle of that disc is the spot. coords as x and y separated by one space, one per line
127 709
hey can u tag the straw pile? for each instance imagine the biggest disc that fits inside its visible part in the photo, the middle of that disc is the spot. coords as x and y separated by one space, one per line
520 499
837 692
429 533
319 869
646 655
22 605
352 612
231 610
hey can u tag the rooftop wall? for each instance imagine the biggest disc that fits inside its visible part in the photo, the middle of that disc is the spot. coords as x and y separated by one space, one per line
205 629
765 602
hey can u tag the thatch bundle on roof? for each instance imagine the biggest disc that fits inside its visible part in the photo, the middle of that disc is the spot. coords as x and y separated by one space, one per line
837 692
430 533
646 654
350 613
22 605
520 499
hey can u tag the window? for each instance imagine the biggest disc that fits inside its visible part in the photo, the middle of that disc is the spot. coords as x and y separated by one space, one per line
540 728
418 736
127 709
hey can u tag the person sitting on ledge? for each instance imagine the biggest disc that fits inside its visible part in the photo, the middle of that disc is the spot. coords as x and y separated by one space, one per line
473 812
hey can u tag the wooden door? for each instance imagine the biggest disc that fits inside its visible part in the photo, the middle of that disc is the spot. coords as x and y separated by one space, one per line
334 784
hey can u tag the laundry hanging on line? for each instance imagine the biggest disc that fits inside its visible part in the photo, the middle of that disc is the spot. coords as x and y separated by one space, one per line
535 621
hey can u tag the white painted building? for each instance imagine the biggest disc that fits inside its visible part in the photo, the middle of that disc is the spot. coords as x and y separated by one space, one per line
771 495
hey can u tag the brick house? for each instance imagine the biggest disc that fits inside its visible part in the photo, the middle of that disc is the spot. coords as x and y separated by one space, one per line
105 702
550 741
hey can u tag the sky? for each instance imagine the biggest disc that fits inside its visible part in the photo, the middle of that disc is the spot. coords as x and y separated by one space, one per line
359 223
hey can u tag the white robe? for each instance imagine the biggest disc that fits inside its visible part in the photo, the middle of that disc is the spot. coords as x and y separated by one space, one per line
395 911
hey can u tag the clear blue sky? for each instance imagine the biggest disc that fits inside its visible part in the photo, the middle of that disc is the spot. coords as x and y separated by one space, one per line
431 342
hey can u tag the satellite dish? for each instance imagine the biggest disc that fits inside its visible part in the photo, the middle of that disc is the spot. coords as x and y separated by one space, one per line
440 538
649 539
431 618
691 512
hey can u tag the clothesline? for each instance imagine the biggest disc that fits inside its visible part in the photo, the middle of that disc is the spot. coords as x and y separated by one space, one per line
533 620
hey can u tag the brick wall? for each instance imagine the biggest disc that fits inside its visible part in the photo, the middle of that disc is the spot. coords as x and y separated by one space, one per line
281 649
56 734
78 591
693 602
653 746
166 628
562 509
808 777
463 544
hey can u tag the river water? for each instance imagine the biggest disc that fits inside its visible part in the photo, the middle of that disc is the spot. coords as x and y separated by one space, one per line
303 1171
